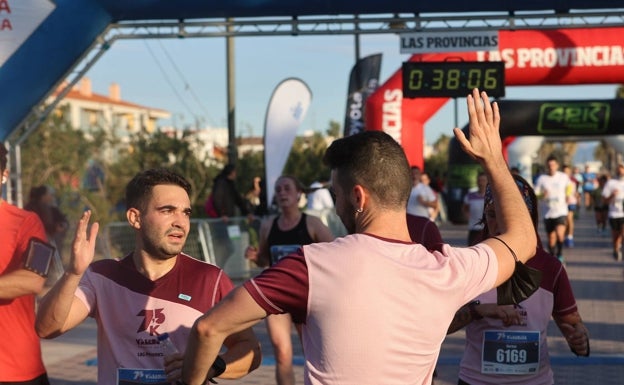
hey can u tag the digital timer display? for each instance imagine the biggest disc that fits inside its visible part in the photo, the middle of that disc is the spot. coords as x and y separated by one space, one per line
451 79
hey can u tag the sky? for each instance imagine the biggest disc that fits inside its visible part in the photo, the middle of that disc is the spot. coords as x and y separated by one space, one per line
187 77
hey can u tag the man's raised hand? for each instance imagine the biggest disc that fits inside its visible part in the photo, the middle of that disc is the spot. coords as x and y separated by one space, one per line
83 246
484 140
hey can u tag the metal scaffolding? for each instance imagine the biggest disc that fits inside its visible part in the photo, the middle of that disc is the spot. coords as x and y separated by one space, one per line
313 25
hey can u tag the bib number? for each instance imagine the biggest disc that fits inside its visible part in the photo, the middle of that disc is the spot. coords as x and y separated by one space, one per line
510 352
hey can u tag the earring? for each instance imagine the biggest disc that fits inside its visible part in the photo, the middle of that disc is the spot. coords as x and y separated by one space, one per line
360 210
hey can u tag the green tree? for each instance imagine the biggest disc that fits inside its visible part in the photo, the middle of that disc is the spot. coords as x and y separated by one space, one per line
250 164
601 152
57 155
607 155
437 163
306 159
334 129
63 157
159 149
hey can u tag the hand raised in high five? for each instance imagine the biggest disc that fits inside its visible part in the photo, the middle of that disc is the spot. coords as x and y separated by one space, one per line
484 142
517 239
60 310
83 246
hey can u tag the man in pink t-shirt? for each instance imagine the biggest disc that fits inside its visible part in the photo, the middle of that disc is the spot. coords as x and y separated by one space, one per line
374 305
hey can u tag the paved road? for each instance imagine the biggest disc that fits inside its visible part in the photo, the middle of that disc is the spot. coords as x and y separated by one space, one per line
597 280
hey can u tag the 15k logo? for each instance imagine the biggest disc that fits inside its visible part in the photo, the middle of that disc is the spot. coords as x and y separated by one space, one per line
152 319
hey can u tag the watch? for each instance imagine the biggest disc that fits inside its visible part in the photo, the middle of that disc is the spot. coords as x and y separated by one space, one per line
473 311
219 367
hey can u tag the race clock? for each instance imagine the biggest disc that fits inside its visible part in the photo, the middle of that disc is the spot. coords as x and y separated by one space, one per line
450 79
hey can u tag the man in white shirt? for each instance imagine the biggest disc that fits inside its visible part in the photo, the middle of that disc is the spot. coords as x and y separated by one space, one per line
319 198
422 197
552 189
613 193
473 209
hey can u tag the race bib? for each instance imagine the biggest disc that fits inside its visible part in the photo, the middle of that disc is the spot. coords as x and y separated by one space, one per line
280 251
553 203
510 352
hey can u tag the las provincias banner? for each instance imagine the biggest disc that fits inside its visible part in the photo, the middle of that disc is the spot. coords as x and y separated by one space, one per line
532 57
287 108
363 81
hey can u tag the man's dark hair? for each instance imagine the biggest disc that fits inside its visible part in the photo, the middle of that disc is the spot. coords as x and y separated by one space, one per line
552 157
3 157
139 189
374 160
37 192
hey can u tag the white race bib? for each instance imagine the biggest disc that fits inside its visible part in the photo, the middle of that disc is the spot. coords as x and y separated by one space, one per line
510 352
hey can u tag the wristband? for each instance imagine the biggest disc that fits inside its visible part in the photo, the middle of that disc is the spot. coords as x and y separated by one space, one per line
473 312
219 367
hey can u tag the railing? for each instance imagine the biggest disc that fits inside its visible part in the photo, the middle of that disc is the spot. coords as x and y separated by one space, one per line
211 240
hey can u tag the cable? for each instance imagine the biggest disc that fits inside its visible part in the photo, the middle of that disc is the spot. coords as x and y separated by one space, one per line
168 80
187 86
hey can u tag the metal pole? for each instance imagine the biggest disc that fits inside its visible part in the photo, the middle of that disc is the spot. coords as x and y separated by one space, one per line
231 99
356 36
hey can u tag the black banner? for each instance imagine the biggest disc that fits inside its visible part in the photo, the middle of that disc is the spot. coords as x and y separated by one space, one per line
567 118
363 81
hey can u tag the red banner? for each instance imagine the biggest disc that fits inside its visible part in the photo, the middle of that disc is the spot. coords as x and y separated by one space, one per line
535 57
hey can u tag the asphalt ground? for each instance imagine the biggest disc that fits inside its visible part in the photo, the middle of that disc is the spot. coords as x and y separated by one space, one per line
598 284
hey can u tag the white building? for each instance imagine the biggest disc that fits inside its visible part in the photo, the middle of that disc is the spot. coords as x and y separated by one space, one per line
87 110
212 143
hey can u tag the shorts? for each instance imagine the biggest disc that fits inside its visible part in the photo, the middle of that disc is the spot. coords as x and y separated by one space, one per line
572 207
616 223
41 380
551 223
